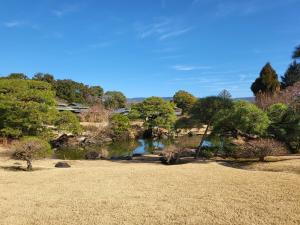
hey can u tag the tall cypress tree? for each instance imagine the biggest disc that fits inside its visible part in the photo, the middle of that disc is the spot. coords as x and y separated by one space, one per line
267 82
292 75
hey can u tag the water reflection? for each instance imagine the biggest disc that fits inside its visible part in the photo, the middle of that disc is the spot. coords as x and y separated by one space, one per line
130 148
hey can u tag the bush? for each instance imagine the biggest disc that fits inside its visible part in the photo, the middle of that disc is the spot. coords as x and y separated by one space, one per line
262 148
31 148
120 125
170 155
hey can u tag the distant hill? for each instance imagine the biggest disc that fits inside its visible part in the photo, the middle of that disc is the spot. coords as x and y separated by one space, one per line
140 99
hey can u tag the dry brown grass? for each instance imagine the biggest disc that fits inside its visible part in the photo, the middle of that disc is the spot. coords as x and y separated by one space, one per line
103 192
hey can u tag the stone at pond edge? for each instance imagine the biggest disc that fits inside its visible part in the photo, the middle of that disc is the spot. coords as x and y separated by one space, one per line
92 155
62 165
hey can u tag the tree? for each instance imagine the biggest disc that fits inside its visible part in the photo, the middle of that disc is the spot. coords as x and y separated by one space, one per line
286 96
267 83
46 77
296 54
67 121
18 76
288 129
155 112
262 148
31 148
95 114
96 91
292 75
225 94
26 107
184 100
120 125
276 112
205 111
114 100
243 116
70 91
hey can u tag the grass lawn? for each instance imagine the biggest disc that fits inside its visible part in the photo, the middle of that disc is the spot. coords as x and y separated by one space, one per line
104 192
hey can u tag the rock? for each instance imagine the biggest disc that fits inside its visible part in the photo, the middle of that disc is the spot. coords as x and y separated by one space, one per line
107 140
62 165
92 155
170 158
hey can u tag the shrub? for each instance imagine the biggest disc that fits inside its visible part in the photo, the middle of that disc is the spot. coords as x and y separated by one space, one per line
262 148
31 148
170 155
120 125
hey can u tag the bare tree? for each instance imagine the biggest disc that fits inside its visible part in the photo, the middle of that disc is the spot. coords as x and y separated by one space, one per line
95 114
27 150
263 147
287 96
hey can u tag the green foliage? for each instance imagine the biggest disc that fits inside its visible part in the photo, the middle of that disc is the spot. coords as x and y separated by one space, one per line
114 100
288 129
267 82
276 112
18 76
291 127
72 91
296 54
44 77
207 108
68 121
120 125
292 75
26 107
155 112
184 100
244 116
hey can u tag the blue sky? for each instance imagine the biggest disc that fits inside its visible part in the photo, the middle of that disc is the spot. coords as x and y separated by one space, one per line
150 48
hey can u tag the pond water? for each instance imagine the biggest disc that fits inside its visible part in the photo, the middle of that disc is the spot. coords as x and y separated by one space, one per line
130 148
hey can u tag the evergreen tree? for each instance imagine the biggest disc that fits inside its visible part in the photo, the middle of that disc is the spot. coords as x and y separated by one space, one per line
292 75
267 82
296 54
184 100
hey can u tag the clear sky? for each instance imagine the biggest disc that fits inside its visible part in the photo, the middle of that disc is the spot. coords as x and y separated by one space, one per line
154 47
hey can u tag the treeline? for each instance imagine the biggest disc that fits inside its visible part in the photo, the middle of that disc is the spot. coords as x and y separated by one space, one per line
76 92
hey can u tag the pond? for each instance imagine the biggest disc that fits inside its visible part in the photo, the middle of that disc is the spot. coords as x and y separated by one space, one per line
130 148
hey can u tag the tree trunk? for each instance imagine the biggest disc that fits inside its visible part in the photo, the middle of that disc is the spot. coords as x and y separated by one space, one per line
29 165
201 142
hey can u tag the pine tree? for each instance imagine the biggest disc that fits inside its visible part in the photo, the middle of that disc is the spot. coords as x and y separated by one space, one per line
267 82
292 75
296 54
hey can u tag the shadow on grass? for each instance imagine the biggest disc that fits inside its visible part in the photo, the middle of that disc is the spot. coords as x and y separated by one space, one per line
256 165
154 159
19 168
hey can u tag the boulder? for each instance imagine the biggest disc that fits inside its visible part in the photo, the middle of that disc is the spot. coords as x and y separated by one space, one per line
92 155
62 165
